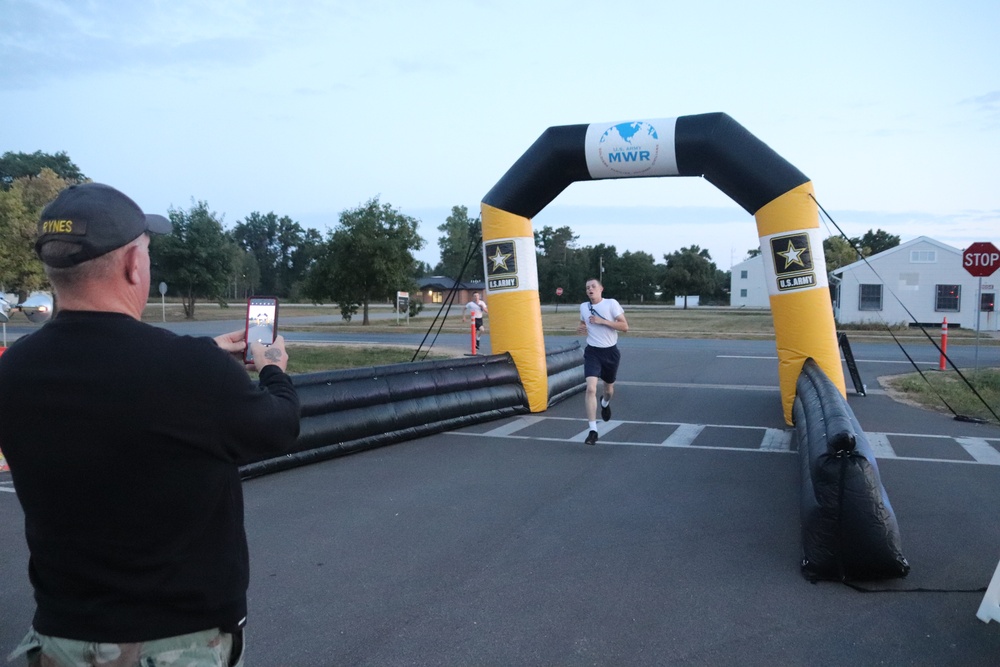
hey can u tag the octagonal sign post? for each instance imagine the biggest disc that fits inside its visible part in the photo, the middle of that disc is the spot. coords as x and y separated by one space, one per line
981 259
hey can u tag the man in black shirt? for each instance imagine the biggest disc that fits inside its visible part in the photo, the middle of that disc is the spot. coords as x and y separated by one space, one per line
124 442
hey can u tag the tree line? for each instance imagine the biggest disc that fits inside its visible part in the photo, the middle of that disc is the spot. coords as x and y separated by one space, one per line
365 258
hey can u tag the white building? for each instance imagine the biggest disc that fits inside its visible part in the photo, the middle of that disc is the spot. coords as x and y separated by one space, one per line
925 276
748 284
692 301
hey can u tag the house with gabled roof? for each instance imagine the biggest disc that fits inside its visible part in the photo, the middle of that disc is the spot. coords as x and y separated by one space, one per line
435 290
922 276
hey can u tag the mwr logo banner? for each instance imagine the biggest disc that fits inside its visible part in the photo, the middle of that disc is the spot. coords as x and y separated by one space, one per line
632 148
790 261
510 265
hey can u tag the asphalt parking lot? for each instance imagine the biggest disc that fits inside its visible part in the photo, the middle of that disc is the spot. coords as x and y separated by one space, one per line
674 541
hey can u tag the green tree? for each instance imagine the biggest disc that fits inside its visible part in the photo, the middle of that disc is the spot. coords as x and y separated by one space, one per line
282 248
874 242
719 296
20 207
689 271
423 270
462 237
556 244
838 252
196 258
602 263
29 165
560 263
634 277
368 256
301 256
246 273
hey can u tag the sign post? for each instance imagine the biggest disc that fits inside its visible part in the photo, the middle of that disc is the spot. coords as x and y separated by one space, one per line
558 293
163 303
981 259
403 304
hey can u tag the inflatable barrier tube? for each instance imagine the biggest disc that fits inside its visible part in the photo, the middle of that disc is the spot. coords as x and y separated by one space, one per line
351 410
849 530
564 367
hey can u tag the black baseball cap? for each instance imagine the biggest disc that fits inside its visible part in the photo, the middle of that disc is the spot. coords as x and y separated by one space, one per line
97 218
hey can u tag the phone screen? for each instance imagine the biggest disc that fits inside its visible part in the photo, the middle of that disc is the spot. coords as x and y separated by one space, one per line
262 322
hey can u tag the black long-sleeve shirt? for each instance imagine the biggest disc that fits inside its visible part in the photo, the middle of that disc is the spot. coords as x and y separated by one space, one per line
124 442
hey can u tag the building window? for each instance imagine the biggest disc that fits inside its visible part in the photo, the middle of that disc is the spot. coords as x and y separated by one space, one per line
948 298
743 275
987 301
743 294
870 297
923 256
437 297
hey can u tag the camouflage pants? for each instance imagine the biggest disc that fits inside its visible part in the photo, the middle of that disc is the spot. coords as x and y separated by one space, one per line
208 648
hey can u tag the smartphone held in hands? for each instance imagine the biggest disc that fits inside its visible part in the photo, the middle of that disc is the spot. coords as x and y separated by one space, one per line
262 323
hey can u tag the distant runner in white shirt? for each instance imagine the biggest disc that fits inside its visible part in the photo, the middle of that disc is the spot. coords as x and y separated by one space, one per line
475 309
601 319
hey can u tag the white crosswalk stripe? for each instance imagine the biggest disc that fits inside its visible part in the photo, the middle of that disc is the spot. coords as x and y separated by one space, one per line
777 440
880 446
984 451
980 450
684 435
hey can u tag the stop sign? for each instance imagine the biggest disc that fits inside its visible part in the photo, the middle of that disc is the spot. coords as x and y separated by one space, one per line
981 259
559 291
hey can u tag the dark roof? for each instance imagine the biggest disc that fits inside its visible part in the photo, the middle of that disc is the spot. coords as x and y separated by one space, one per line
444 283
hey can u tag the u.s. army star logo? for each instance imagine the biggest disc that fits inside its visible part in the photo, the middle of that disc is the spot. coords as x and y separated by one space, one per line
793 262
501 265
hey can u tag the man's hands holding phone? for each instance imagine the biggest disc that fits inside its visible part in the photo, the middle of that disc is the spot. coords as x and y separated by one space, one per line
266 355
263 355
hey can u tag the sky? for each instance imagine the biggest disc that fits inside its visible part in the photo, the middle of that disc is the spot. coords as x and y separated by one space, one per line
308 109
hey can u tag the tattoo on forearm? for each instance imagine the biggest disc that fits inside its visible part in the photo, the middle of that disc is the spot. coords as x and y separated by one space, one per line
272 354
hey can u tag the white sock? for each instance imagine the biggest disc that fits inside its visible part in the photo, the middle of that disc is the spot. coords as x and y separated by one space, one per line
593 425
605 402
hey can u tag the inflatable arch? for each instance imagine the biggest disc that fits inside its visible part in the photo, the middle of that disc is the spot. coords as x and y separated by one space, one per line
711 145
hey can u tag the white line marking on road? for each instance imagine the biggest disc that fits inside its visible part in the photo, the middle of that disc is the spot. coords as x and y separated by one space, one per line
514 426
698 385
683 436
880 446
980 450
776 440
865 361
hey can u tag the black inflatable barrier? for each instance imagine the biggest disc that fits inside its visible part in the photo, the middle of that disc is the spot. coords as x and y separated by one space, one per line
352 410
849 531
564 367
